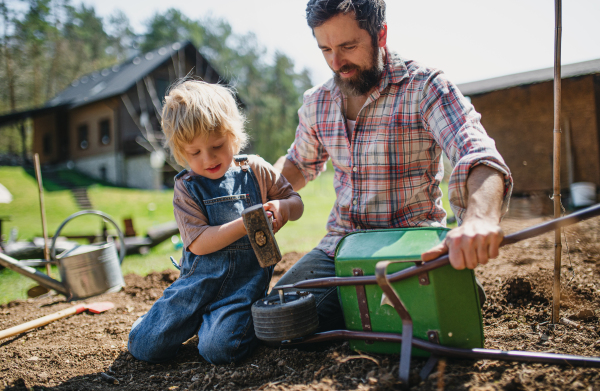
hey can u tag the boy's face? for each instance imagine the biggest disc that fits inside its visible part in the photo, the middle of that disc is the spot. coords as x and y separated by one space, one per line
210 156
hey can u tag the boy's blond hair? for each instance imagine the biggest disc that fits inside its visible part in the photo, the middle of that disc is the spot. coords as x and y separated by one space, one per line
195 108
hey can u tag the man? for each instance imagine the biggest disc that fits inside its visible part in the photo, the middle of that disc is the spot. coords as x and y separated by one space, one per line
384 122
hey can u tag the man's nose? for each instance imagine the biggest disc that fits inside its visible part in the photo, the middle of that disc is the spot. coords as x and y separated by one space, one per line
337 61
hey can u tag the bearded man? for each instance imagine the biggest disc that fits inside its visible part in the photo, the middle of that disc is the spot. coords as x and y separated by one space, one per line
384 121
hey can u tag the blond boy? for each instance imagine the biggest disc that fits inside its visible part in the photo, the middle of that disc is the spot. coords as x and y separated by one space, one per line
220 275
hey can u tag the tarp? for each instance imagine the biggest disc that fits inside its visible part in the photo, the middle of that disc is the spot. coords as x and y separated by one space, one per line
5 196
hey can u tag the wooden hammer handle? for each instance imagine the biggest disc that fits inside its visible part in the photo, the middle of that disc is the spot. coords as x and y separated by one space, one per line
41 321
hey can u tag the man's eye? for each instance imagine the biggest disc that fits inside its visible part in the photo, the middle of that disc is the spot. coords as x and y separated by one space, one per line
217 146
350 47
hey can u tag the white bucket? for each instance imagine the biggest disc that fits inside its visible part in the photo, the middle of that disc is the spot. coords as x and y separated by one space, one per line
583 194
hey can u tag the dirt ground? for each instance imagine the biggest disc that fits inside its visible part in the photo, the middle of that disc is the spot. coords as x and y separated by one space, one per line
88 352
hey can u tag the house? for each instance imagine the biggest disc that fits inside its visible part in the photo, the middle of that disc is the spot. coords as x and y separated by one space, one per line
518 113
107 124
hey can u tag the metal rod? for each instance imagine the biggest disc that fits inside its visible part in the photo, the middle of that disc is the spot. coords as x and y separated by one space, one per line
30 272
557 150
477 354
38 175
527 233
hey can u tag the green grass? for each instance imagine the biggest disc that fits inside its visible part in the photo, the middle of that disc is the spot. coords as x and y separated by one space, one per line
147 208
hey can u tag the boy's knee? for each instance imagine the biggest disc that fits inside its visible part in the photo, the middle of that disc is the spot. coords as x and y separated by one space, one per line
225 351
142 348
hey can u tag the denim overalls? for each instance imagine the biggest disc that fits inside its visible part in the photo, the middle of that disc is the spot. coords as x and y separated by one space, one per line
214 292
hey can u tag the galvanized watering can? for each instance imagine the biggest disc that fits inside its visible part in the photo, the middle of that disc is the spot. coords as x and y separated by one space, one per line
85 271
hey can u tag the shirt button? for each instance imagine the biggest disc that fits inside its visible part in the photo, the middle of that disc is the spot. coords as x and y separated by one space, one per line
354 169
353 202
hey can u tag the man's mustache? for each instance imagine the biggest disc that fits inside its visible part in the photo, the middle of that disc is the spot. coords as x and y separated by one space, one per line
346 68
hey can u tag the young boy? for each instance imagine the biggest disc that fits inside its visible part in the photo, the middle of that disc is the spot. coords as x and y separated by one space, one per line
220 274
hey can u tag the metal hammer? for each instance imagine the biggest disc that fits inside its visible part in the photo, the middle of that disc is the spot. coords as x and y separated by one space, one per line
260 232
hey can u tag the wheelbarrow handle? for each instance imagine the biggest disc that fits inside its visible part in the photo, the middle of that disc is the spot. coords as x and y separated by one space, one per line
444 260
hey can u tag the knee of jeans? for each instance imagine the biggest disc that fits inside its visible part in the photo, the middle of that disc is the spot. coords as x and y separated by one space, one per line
215 351
219 351
139 347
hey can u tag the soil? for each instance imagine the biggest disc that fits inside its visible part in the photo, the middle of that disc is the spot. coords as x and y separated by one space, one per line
89 352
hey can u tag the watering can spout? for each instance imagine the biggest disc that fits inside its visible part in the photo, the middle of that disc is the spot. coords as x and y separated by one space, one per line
30 272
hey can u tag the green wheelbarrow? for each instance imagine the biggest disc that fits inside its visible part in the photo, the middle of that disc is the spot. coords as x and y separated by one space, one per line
394 303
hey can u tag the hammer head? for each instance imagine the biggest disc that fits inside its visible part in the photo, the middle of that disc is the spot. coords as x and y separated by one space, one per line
260 233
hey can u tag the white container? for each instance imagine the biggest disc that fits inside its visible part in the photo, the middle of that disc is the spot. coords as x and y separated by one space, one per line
583 194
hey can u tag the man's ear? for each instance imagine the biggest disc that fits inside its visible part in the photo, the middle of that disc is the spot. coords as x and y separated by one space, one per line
382 36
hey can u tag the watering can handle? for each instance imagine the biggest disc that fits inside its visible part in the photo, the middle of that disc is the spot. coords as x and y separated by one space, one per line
93 212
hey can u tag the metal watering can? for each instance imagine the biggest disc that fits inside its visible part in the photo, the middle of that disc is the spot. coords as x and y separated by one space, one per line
85 271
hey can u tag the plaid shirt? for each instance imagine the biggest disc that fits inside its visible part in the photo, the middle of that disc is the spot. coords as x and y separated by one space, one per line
388 174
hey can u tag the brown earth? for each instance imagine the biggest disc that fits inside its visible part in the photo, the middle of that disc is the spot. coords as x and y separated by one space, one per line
88 352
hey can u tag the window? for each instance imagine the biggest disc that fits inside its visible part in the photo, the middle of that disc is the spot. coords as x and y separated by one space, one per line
47 141
104 126
161 88
82 136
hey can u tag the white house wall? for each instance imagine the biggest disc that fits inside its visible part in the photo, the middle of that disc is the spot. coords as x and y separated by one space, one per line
139 173
92 166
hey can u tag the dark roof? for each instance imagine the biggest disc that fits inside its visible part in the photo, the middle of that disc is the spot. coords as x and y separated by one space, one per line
519 79
116 80
11 118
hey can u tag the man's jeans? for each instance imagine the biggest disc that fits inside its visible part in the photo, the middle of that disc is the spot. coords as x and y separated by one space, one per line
317 264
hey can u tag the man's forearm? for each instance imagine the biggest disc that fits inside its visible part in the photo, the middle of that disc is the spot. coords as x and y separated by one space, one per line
290 172
485 188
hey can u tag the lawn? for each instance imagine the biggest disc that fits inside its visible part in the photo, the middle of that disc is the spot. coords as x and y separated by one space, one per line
146 207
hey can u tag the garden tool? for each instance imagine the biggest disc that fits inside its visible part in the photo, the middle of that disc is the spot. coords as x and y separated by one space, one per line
94 308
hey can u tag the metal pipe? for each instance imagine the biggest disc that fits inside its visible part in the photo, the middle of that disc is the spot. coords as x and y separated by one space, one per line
527 233
30 272
557 150
477 354
38 174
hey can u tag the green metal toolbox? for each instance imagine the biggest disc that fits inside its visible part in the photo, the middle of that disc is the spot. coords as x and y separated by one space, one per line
444 303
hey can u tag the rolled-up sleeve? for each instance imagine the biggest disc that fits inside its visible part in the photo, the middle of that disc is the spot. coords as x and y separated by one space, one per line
189 217
456 127
307 151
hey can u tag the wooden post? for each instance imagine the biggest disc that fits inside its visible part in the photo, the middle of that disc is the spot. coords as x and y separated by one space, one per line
38 174
557 142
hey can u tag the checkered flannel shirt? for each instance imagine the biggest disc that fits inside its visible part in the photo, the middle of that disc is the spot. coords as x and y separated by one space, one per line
388 175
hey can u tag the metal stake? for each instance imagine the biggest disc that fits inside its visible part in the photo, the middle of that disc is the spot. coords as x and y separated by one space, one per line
557 145
38 174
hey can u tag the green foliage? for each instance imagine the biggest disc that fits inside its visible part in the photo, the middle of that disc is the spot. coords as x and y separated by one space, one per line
51 43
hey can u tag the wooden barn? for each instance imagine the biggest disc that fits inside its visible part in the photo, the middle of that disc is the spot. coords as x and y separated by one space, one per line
107 124
517 112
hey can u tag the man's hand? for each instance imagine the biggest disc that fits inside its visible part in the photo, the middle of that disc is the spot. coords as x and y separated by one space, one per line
473 243
477 240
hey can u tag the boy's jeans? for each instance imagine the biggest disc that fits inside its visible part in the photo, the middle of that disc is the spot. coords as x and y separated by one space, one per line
224 325
214 292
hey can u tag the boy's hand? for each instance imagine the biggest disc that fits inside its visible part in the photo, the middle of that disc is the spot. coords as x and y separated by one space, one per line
280 213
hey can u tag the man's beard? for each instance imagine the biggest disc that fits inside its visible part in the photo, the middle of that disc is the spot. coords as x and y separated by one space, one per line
364 79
